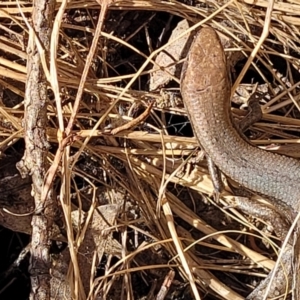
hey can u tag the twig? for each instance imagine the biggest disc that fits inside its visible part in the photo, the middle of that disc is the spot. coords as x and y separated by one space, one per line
135 121
34 161
104 6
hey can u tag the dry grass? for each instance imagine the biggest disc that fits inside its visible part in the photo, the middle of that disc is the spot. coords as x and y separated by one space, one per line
152 160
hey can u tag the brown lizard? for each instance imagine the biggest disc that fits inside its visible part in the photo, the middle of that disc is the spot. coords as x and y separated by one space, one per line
205 88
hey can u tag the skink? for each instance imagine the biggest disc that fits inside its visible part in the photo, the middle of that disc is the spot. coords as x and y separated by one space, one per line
205 89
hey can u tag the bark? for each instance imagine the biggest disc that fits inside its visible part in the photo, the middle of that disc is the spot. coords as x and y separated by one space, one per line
34 161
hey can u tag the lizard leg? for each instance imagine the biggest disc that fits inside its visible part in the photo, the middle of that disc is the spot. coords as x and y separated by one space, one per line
254 114
215 174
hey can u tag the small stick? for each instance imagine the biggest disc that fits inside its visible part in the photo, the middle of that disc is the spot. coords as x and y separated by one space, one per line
135 121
